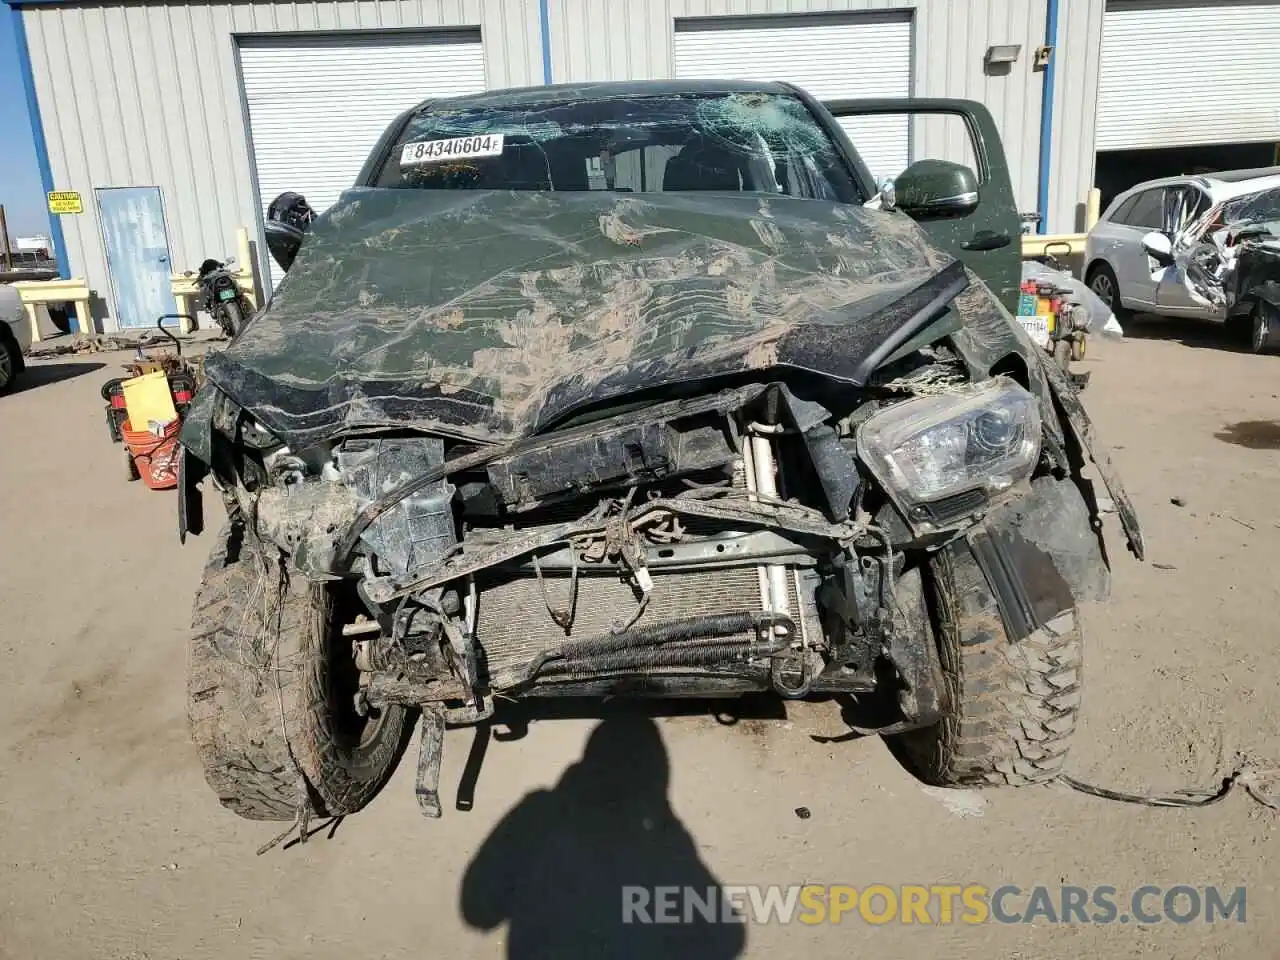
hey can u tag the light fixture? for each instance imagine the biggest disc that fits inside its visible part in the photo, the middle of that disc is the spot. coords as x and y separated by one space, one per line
1003 53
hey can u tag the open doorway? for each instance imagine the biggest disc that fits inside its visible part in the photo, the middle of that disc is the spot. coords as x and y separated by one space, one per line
1118 170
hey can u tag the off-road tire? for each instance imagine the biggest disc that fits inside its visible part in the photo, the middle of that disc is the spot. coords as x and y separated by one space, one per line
1011 706
259 695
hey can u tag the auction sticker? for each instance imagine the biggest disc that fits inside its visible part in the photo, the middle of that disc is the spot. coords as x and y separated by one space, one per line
458 148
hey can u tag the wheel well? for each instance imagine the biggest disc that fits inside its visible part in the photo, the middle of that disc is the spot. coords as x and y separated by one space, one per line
1013 366
1094 267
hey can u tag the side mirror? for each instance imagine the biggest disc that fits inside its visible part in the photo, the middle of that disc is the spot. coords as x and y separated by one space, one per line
1159 247
936 188
288 219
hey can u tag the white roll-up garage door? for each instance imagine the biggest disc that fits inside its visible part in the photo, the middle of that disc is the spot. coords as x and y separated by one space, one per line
318 105
864 55
1179 74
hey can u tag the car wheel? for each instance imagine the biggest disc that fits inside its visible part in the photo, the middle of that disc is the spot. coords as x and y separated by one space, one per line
1260 327
271 694
10 363
1103 282
1012 705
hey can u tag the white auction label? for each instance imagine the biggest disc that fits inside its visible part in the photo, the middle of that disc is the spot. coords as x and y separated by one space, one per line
458 148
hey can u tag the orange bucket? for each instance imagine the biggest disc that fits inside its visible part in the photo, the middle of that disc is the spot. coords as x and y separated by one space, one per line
155 457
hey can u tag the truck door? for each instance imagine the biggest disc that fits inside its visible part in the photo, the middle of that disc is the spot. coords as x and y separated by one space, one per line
987 238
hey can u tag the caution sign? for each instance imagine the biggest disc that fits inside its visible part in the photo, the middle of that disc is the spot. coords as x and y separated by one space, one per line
65 201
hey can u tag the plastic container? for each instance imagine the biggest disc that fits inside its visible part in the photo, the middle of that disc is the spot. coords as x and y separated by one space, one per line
155 457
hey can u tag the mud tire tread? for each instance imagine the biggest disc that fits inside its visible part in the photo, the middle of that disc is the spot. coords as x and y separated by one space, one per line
244 695
1013 705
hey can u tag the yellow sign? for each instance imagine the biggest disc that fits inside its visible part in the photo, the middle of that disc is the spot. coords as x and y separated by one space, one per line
65 201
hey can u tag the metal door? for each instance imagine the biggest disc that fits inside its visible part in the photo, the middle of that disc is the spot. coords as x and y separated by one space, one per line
137 248
1130 260
986 239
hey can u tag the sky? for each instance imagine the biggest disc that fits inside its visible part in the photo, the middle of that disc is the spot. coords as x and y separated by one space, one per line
20 189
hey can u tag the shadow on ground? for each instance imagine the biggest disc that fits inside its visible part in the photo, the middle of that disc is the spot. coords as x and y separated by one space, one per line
42 374
555 868
1198 334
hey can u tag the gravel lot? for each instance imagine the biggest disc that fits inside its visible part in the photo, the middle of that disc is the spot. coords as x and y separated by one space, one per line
112 846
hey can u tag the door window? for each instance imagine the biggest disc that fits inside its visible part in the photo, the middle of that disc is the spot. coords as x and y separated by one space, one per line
1147 210
1124 210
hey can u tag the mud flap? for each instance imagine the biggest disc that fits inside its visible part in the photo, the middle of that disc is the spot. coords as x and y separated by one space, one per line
190 501
1079 427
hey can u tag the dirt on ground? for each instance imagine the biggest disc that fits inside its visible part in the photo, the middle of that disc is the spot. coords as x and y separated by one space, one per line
113 847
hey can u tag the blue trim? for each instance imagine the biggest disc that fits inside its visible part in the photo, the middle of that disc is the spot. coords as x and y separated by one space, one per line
37 139
1046 114
544 17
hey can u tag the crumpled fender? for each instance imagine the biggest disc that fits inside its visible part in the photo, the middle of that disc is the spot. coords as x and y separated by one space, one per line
989 338
1076 422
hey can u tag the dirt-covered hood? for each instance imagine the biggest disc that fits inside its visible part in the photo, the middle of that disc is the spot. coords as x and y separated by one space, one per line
486 315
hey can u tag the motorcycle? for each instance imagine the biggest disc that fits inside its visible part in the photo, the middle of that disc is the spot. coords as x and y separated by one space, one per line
221 297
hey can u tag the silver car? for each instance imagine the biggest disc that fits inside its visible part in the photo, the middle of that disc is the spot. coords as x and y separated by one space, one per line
1121 271
15 336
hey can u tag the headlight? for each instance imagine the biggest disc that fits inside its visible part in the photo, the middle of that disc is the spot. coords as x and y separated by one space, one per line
981 438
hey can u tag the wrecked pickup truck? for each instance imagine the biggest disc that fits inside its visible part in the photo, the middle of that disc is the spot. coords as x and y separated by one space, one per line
1227 263
623 390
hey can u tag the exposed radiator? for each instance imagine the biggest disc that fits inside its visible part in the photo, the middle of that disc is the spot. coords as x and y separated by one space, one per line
513 624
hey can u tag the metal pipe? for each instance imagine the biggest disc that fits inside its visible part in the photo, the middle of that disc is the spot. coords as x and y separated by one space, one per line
767 486
1092 207
5 257
1046 114
544 20
749 475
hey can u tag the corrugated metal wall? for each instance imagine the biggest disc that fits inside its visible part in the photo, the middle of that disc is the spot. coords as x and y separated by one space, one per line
611 40
147 93
135 94
1074 109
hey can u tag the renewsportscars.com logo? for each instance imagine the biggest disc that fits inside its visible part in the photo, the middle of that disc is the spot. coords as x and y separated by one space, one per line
937 904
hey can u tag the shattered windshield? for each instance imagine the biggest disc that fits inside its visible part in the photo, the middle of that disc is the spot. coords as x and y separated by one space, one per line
734 142
1257 209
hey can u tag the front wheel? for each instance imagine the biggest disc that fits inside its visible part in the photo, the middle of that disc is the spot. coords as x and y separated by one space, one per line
271 694
1011 705
1102 281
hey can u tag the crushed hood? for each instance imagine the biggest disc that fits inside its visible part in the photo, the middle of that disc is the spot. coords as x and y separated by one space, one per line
487 315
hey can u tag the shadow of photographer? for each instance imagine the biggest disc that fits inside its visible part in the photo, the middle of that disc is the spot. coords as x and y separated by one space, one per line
555 867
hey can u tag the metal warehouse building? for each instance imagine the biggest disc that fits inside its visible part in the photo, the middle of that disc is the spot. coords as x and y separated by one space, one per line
177 121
